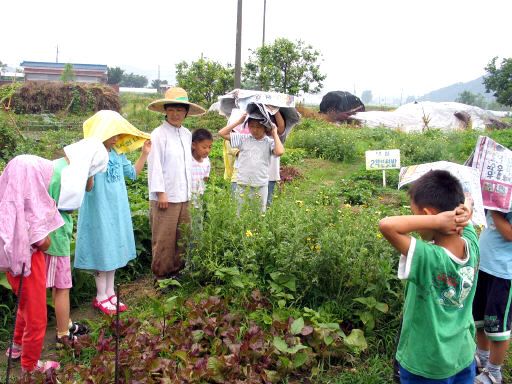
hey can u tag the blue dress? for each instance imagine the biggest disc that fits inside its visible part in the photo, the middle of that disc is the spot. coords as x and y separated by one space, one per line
104 239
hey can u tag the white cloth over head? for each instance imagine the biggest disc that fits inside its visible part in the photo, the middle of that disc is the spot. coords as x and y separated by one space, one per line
87 157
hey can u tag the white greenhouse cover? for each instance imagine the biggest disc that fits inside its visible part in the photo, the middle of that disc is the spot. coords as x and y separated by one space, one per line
409 117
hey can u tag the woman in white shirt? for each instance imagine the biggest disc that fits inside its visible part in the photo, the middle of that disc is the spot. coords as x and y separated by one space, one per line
169 181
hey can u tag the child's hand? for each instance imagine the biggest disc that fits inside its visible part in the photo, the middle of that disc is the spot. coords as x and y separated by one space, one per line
463 215
242 118
146 148
452 222
162 200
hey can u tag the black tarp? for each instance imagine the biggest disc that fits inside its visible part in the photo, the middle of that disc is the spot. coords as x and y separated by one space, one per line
341 101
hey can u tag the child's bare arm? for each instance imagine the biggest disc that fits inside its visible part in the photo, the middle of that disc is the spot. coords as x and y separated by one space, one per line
225 132
280 123
90 184
43 244
278 146
139 164
502 225
396 229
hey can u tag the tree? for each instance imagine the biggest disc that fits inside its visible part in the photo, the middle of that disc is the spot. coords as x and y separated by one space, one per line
499 80
2 65
156 83
366 96
469 98
133 80
284 66
204 80
68 74
114 75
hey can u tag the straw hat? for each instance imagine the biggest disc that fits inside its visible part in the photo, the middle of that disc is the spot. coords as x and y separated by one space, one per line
176 95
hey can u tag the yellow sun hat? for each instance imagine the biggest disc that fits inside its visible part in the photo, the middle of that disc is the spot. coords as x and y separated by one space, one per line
176 95
105 124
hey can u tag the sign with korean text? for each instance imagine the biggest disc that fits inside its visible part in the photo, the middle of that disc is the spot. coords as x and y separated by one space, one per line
383 159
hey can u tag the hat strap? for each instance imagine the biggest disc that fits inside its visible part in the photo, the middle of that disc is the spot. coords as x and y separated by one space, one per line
185 98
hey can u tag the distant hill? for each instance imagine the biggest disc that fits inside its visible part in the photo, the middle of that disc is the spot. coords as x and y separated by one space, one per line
451 92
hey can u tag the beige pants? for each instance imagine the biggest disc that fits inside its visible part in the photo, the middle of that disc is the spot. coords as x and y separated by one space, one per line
166 234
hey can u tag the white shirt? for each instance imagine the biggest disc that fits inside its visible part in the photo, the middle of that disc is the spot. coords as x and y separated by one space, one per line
170 162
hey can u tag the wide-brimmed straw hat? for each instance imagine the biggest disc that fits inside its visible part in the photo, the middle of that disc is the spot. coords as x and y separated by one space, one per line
176 95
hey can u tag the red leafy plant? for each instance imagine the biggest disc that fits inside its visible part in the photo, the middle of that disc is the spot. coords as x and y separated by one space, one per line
207 343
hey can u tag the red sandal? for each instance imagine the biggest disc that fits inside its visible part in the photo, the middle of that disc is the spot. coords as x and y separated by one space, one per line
122 307
104 307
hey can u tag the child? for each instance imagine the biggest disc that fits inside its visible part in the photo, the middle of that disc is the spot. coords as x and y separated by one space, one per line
84 158
28 215
201 146
437 337
105 238
493 297
254 157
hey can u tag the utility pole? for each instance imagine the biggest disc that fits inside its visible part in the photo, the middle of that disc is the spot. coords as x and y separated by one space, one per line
264 14
238 54
57 57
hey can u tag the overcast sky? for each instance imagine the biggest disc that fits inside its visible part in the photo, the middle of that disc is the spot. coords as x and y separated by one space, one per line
392 47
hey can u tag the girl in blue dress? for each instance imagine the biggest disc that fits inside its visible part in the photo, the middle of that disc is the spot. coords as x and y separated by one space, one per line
105 240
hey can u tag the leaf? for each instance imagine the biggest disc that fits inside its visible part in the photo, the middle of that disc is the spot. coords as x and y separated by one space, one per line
328 339
3 281
299 359
272 376
280 344
356 340
307 330
182 355
296 348
333 327
290 284
197 335
168 282
286 361
382 307
281 303
237 282
297 326
366 317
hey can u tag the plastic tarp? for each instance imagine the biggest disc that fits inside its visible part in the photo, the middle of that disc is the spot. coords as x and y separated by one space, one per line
410 117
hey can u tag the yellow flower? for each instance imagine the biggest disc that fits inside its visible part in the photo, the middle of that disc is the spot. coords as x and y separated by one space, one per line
331 225
326 197
262 215
364 206
379 235
380 198
347 205
242 194
308 239
307 209
318 248
312 247
317 202
248 233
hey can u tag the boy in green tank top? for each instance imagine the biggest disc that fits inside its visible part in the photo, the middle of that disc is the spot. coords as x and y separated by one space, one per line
437 338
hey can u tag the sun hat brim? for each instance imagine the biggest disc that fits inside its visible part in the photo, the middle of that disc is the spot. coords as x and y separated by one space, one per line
158 106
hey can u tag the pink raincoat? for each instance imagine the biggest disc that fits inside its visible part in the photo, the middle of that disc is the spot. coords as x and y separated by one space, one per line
27 212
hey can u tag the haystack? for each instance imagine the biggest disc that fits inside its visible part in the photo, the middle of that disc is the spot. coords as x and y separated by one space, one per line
53 97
